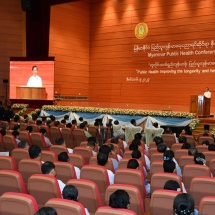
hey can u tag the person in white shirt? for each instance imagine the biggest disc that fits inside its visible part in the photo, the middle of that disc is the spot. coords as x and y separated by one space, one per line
207 93
48 168
34 152
60 141
102 159
70 192
91 144
34 80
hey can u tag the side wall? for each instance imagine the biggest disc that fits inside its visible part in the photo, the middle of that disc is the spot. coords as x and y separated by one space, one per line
174 61
12 28
69 43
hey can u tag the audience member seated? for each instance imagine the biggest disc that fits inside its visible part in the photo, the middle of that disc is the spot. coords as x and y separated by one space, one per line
16 135
70 192
102 159
120 141
205 142
26 118
106 150
169 167
138 136
168 130
182 139
192 151
66 118
74 124
119 199
3 132
184 205
92 144
23 144
186 146
63 123
16 128
113 149
87 134
46 211
63 157
211 147
47 141
161 148
168 156
69 125
172 185
158 140
133 164
29 129
60 141
39 122
35 152
48 168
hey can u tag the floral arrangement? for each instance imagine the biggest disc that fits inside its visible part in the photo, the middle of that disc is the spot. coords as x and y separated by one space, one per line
120 111
194 123
19 106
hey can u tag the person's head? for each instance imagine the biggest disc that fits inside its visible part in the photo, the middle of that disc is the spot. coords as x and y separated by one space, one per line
52 118
63 121
133 146
168 130
183 204
158 140
102 158
16 127
105 149
161 147
63 157
26 117
155 124
3 132
43 131
205 142
169 166
133 122
49 123
116 122
81 119
172 185
66 117
15 134
56 123
186 146
29 128
23 144
91 142
168 155
206 128
199 158
46 211
48 168
74 122
136 154
16 118
60 141
70 192
119 199
182 139
69 125
34 117
34 70
211 147
138 136
192 151
133 164
39 122
34 152
82 126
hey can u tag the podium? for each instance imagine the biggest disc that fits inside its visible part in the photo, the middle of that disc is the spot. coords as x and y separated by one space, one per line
200 105
34 93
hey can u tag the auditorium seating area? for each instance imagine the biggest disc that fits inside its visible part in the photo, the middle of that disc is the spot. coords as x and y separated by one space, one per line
23 186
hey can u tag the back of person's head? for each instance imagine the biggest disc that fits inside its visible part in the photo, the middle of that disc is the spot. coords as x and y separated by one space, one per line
161 147
206 127
22 144
16 127
74 121
69 125
39 122
168 155
29 128
182 139
158 140
48 123
119 199
63 157
133 122
211 147
16 118
133 164
34 117
52 118
169 166
46 211
192 151
138 136
133 146
82 125
15 133
205 142
172 185
116 122
168 130
56 123
81 119
59 141
102 158
63 121
114 139
105 149
3 132
43 131
136 154
91 142
70 192
199 158
66 117
34 151
155 124
183 204
47 167
186 146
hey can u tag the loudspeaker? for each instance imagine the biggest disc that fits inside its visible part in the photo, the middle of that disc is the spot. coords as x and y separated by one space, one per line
5 81
26 5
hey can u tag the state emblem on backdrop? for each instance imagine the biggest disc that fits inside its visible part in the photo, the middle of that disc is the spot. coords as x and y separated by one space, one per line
141 30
